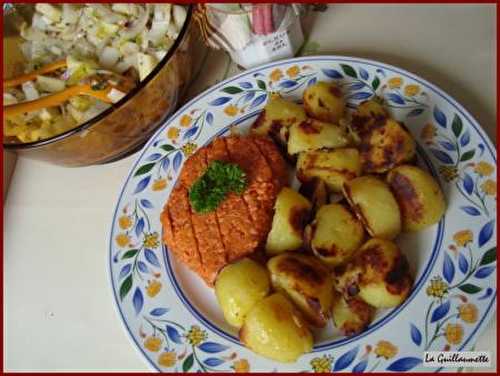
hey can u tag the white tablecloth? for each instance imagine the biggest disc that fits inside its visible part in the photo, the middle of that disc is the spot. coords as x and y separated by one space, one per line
59 313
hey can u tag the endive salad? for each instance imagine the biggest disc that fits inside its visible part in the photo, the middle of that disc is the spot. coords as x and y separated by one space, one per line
81 58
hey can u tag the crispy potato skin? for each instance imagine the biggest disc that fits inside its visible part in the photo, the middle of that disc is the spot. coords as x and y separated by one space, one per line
378 274
276 330
277 117
307 282
367 115
324 101
419 197
313 134
375 205
385 145
336 234
351 316
334 167
239 287
290 215
315 191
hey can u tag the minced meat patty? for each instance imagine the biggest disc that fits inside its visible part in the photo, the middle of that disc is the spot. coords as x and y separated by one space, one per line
240 224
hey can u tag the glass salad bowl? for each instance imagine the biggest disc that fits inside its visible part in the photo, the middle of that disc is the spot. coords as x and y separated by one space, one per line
123 127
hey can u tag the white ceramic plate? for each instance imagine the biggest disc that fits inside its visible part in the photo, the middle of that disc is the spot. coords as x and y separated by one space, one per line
173 318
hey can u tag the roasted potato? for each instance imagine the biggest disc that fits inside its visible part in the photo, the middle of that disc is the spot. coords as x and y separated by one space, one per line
313 134
291 211
334 167
386 146
367 115
324 101
351 316
336 234
239 287
378 274
307 282
419 196
316 192
275 329
375 205
277 117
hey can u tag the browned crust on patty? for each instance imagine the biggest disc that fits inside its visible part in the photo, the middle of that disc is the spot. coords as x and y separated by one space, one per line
239 226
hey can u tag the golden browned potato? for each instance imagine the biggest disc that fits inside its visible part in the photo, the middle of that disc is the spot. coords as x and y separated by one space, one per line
367 115
307 282
351 316
375 205
239 287
314 134
324 101
276 330
334 167
291 211
378 274
315 191
419 197
336 234
276 118
386 146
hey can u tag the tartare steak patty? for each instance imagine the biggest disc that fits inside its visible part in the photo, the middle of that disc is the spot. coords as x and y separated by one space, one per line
206 242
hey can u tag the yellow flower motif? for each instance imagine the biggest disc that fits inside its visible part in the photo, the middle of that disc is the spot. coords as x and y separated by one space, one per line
231 110
293 71
153 343
173 133
386 349
323 364
167 359
159 184
153 288
189 148
489 187
151 240
484 168
122 240
411 90
437 288
276 75
395 82
454 333
185 120
449 173
462 238
241 366
124 222
428 132
196 336
468 313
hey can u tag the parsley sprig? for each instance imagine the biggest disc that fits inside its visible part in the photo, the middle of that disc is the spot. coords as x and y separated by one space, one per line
211 188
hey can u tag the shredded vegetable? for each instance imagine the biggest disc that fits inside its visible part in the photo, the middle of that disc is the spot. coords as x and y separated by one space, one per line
81 58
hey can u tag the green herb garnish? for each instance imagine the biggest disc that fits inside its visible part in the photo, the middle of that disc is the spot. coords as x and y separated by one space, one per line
211 188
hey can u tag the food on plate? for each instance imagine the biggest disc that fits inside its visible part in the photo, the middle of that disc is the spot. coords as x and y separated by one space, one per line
316 192
366 116
336 234
277 117
375 205
81 59
351 316
334 167
419 197
307 282
313 134
384 146
378 274
239 226
239 286
290 214
324 101
274 328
